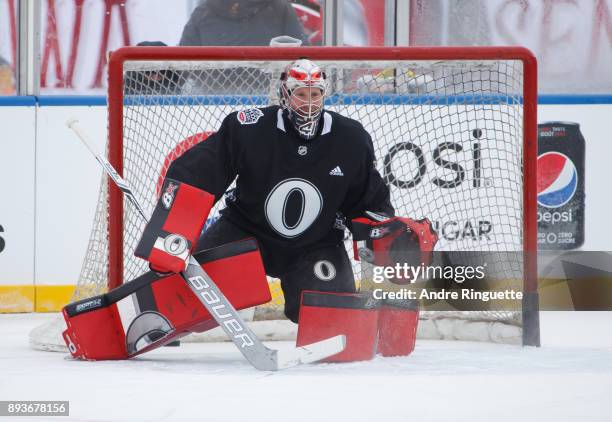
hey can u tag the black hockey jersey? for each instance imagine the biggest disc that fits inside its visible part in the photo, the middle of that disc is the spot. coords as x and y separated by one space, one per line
289 192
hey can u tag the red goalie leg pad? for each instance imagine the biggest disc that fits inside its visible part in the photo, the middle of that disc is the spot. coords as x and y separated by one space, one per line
94 330
397 326
238 271
324 315
102 328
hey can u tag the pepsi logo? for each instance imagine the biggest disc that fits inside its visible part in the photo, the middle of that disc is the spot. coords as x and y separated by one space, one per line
557 179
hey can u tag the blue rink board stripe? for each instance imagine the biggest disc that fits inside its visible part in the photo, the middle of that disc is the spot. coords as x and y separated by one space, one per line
17 101
349 99
561 99
390 99
71 100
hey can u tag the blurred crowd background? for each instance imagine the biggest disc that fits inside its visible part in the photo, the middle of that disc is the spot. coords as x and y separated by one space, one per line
61 46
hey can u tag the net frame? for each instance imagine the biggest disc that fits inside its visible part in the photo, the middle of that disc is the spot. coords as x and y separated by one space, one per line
530 320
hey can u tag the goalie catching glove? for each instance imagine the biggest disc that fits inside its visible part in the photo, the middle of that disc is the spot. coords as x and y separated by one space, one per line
172 232
386 241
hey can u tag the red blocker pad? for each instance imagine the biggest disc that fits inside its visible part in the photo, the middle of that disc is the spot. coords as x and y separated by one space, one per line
397 327
103 327
177 221
324 315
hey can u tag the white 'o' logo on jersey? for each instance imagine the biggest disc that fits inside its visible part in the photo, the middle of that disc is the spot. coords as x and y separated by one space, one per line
276 206
324 270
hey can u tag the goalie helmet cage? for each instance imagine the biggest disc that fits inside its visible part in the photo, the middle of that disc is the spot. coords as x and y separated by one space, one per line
454 130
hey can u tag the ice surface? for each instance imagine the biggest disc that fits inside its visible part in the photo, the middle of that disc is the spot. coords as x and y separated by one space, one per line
569 378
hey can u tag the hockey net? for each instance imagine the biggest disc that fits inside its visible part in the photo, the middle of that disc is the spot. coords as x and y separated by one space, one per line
453 131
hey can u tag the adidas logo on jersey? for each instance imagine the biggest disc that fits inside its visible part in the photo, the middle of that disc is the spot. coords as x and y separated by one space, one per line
337 171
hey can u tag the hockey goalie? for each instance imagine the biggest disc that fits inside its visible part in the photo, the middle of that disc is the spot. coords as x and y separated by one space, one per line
303 175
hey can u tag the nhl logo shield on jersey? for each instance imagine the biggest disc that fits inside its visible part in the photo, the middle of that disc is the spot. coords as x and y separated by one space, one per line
250 116
302 150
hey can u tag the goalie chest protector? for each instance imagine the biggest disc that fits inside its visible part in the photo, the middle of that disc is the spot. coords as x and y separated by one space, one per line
289 191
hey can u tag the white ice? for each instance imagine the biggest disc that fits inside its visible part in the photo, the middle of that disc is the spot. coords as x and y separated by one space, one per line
568 379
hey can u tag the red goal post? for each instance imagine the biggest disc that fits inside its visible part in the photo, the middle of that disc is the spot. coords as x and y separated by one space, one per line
338 55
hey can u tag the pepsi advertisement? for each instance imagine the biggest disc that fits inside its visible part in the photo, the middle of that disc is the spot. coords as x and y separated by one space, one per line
560 186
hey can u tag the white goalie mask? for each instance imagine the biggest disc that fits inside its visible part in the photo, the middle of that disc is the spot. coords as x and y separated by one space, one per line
302 92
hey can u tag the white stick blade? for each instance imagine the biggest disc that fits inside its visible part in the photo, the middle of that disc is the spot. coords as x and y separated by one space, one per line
71 121
311 353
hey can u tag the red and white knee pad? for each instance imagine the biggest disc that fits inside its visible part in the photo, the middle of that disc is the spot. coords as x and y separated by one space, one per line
370 325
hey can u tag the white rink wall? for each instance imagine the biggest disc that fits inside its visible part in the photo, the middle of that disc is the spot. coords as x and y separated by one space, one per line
17 207
51 183
67 185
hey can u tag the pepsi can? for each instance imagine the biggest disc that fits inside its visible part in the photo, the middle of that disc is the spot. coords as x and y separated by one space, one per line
560 186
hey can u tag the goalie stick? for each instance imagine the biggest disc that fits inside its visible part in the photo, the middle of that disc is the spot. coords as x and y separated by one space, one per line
223 312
